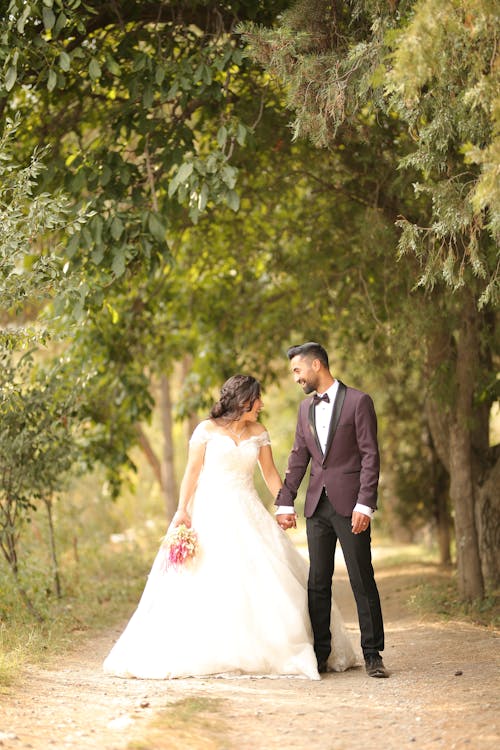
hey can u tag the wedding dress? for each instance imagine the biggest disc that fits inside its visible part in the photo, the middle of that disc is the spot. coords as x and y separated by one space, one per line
240 606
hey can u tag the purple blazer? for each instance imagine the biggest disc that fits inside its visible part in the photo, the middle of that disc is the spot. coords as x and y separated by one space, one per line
349 469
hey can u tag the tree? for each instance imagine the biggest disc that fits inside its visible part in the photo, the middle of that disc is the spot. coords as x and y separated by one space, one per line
38 448
152 111
137 101
38 444
33 226
427 70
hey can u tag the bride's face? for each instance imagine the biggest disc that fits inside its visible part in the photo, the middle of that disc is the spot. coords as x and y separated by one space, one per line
253 414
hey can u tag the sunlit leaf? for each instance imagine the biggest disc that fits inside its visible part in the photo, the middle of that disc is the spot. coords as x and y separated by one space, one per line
10 78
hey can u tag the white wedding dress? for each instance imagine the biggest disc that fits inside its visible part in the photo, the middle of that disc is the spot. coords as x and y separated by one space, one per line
240 606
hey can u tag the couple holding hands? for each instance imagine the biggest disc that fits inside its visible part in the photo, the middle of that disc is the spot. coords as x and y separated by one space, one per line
248 603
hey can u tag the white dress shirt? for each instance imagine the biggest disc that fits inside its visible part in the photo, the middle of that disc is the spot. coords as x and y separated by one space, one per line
322 417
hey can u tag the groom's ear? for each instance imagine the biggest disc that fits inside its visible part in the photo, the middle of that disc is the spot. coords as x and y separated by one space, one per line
316 365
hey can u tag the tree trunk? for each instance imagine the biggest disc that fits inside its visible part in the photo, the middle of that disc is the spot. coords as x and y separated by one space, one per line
462 484
53 550
26 599
488 524
443 528
169 485
440 491
151 456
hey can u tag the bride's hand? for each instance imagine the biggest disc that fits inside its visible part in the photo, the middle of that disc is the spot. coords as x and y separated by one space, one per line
287 521
181 517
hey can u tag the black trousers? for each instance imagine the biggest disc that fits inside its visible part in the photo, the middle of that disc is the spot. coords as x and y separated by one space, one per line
323 529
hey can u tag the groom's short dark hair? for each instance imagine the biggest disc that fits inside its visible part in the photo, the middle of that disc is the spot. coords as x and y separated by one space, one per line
311 350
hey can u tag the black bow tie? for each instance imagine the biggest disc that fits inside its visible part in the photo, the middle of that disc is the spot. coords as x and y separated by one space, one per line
324 397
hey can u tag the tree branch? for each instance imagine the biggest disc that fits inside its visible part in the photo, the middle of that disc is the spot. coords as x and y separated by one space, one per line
148 451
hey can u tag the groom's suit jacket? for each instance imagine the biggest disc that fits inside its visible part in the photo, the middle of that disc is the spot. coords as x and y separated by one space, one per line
349 468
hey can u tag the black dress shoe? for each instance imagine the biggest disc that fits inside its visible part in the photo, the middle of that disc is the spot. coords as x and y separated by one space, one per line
323 667
375 666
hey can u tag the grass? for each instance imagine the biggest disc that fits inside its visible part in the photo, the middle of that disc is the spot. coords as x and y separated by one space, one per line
194 723
100 588
440 597
436 594
105 550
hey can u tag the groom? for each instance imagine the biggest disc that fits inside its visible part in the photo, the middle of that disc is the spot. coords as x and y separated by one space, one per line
337 432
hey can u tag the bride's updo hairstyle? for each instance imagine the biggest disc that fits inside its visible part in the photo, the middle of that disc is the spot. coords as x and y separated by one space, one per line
237 395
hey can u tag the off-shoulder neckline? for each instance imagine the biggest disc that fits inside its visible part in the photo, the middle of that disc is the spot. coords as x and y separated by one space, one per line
214 433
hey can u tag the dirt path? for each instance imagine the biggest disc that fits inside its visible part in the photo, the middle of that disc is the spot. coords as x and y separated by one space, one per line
442 693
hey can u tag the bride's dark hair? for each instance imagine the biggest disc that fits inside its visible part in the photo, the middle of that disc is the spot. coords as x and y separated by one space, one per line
237 395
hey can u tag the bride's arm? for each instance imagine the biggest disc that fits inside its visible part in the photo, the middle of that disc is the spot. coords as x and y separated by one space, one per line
189 481
269 470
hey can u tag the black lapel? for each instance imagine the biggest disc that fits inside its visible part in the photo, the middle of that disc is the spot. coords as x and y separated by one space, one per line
311 418
337 408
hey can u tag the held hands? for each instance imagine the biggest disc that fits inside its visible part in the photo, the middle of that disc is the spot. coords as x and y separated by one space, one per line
360 522
287 521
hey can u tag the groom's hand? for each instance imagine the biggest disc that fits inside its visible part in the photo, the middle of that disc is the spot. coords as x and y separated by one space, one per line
287 520
360 522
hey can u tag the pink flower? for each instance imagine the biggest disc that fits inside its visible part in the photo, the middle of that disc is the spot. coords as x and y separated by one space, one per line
180 545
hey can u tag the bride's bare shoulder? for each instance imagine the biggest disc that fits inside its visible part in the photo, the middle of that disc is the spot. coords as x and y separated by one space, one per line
209 425
257 429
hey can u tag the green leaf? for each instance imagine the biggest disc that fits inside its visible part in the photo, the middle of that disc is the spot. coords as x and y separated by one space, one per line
156 227
118 265
147 96
23 18
64 61
207 75
49 18
116 228
51 80
198 74
79 181
60 24
113 66
194 214
72 246
185 171
96 227
241 134
124 174
174 88
94 69
228 175
106 175
203 197
222 136
233 200
98 254
10 78
160 75
237 56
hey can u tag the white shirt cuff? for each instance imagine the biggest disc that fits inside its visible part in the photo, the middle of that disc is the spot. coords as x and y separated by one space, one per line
365 509
288 509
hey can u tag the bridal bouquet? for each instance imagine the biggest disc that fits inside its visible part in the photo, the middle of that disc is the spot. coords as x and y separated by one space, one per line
180 545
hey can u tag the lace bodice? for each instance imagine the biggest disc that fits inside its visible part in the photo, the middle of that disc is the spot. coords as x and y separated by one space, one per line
225 460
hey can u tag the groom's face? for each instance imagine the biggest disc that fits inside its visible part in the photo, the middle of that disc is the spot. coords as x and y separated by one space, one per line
305 373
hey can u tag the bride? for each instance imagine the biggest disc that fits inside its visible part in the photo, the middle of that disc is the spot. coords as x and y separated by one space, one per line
240 606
